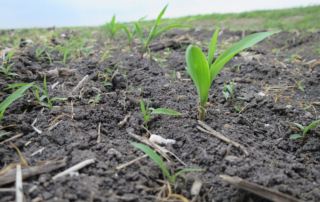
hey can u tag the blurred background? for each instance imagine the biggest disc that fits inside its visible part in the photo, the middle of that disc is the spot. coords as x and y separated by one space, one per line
72 13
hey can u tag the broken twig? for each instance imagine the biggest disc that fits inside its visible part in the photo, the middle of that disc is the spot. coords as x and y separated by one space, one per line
258 189
221 137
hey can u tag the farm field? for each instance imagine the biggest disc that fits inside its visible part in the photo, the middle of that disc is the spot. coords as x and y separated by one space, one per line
87 108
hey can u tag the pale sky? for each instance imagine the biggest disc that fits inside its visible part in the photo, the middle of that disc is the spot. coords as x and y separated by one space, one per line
65 13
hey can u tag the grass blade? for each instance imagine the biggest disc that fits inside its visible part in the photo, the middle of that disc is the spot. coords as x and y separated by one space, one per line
153 155
14 96
165 111
212 47
137 27
236 48
169 27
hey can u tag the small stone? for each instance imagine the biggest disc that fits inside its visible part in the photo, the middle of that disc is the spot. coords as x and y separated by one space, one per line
226 125
289 106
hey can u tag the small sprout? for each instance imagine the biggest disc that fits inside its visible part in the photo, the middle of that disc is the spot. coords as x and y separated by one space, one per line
7 73
203 72
95 101
173 75
300 87
304 129
154 32
44 91
14 96
39 52
238 108
9 56
130 36
154 156
154 111
106 83
112 27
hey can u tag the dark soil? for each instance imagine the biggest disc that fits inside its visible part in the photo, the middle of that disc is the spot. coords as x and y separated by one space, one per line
275 161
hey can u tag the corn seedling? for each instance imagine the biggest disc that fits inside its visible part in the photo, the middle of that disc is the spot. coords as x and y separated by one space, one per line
303 129
300 87
9 56
130 36
7 73
44 91
154 156
154 111
154 32
95 100
173 75
39 52
203 72
112 27
63 62
14 96
106 83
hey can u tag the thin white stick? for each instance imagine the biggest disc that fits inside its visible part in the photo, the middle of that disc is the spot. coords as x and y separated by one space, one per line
7 190
19 192
39 151
74 168
99 134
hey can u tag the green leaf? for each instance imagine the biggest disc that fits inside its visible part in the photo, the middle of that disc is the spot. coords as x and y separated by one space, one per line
58 98
14 96
154 156
143 109
197 68
236 48
230 89
128 33
169 27
136 25
212 47
184 171
299 125
4 70
226 94
295 136
6 133
312 125
238 108
165 111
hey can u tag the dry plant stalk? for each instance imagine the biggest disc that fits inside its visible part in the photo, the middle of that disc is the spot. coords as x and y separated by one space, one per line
19 188
258 189
74 168
81 83
221 137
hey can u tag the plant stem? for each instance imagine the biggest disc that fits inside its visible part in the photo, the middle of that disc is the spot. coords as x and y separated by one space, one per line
202 114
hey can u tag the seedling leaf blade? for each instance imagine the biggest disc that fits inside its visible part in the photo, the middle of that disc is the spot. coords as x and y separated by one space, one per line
295 136
137 27
299 125
154 156
184 171
169 27
17 94
236 48
226 94
212 47
165 111
197 68
143 109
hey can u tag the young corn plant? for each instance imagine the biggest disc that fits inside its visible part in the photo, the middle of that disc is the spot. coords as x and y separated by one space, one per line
154 111
154 32
95 101
303 129
203 72
112 27
131 35
39 52
44 91
14 96
154 156
7 73
229 89
9 56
